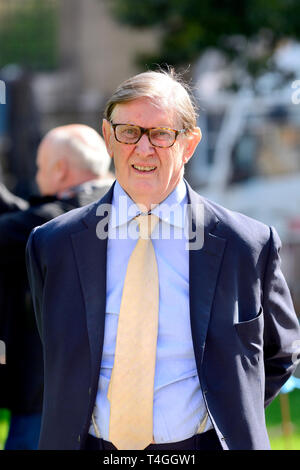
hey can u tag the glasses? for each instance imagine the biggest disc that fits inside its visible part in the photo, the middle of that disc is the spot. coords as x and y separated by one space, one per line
158 136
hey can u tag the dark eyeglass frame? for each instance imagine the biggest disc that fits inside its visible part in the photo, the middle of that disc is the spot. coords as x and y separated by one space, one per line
145 130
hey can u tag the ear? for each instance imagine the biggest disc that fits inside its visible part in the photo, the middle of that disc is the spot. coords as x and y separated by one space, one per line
107 135
61 168
192 139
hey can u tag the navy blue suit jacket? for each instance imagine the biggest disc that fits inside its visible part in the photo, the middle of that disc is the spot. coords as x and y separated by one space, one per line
244 327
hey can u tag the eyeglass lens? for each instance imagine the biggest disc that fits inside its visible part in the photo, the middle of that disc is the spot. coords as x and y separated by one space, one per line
157 136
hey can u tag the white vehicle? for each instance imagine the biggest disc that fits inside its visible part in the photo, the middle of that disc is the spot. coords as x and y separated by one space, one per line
249 161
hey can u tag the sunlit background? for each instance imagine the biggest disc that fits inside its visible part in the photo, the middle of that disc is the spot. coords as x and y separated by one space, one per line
60 60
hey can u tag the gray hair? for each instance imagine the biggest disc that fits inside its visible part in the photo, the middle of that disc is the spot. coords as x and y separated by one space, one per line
83 147
162 88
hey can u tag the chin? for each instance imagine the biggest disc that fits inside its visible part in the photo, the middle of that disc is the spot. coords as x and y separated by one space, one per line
144 197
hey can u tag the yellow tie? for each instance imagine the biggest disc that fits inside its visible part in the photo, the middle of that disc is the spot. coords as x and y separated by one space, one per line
132 382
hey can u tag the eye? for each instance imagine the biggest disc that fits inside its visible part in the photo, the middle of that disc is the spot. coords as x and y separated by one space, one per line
129 131
162 134
127 134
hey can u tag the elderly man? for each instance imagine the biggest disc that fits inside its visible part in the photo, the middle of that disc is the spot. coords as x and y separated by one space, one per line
72 171
165 319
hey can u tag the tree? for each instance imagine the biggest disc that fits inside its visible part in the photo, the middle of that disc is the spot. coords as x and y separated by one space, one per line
243 29
28 31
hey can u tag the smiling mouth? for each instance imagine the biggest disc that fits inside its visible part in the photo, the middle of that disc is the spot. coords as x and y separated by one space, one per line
144 169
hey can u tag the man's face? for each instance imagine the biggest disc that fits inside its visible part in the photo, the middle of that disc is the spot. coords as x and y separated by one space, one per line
148 187
46 177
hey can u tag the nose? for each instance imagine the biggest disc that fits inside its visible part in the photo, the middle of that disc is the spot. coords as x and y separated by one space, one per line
144 145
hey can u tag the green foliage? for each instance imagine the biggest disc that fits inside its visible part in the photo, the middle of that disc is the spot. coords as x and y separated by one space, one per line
28 32
190 26
274 423
4 425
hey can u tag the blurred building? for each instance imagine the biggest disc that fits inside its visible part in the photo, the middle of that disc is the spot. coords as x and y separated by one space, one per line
249 157
75 54
95 53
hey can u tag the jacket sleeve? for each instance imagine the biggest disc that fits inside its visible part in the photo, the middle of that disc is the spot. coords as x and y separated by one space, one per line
9 202
281 330
15 228
35 278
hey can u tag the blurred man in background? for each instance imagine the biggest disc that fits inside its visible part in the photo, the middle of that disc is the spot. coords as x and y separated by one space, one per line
73 166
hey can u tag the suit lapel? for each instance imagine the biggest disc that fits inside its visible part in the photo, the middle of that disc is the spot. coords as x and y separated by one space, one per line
205 264
91 259
90 253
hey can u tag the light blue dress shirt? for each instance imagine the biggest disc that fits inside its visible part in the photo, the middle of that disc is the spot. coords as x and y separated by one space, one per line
178 407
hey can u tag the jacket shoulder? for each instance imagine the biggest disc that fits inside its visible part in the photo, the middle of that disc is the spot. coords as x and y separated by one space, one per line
231 224
54 235
241 230
68 221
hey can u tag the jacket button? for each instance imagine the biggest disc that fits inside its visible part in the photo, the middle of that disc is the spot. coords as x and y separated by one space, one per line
90 391
78 438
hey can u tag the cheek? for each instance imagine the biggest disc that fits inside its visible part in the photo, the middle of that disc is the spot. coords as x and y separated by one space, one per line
110 146
121 157
173 163
118 162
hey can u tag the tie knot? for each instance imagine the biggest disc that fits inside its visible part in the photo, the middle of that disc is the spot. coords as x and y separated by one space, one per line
147 224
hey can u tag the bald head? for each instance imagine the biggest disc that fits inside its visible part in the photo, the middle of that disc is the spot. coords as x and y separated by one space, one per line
68 156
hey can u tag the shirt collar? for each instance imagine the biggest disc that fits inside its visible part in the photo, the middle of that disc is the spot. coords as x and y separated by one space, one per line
171 210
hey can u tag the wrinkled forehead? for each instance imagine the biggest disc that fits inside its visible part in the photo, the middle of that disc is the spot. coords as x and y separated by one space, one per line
157 110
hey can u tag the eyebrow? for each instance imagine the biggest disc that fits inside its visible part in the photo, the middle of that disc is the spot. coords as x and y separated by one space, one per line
142 127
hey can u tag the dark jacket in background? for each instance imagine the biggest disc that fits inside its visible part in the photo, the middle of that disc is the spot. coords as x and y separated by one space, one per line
21 379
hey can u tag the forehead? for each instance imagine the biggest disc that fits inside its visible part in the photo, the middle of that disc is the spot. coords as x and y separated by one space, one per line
145 113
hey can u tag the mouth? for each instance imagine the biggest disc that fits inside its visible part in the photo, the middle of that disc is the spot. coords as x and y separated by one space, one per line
144 169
